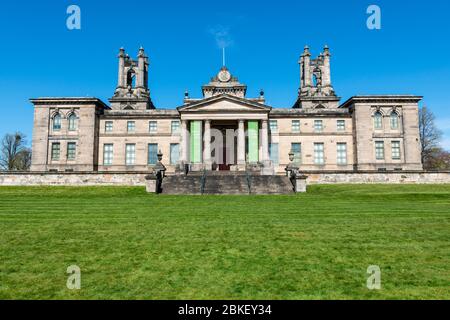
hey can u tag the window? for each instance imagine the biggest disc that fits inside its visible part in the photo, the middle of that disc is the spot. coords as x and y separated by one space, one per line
131 126
273 125
378 120
341 153
318 154
73 122
273 153
56 150
175 127
130 154
108 126
341 125
108 154
395 146
296 148
71 150
57 122
318 125
174 153
394 120
152 153
295 126
379 150
153 126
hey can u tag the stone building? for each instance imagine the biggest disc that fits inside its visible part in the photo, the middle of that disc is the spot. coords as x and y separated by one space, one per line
226 130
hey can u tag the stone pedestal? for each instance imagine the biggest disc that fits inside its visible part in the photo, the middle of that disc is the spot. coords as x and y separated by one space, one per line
300 184
150 183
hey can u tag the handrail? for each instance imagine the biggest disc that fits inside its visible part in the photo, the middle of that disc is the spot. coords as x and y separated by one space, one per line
203 182
249 181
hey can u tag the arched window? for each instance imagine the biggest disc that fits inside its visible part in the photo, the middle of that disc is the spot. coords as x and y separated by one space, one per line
57 122
378 120
394 120
73 122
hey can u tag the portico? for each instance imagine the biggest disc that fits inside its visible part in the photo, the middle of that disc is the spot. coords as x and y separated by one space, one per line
224 132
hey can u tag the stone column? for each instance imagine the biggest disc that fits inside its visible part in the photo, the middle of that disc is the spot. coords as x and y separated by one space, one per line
121 76
141 67
241 143
326 76
265 141
184 142
207 143
306 67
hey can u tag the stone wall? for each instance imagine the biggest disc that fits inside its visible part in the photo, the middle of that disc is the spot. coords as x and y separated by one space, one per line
138 178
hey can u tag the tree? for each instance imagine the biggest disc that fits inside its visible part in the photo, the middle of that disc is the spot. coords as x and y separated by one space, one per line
438 159
430 135
14 154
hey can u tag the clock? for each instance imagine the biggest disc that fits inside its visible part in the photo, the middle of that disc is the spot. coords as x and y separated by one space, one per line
224 76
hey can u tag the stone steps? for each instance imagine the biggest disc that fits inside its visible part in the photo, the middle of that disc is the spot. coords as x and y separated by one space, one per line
227 183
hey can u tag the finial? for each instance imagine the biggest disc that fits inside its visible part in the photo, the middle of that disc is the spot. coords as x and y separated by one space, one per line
261 93
121 52
186 94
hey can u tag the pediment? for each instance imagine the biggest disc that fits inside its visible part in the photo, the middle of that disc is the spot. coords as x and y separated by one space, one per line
225 103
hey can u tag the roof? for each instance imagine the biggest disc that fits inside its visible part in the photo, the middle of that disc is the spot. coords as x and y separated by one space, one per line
381 99
224 96
69 100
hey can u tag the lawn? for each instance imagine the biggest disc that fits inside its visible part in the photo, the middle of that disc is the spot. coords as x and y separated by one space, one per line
132 245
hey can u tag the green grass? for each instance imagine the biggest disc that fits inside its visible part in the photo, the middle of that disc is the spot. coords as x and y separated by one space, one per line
132 245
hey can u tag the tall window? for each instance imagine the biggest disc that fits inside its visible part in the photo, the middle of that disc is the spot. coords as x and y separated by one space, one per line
319 154
341 153
71 150
130 154
296 148
108 126
395 146
152 153
174 153
394 120
378 120
273 125
341 125
131 126
379 150
295 126
273 153
72 122
56 150
153 126
57 122
175 127
108 154
318 125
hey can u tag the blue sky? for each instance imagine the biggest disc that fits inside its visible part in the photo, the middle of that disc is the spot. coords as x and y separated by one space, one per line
41 57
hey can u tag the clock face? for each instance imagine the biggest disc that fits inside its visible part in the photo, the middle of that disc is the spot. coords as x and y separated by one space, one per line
224 76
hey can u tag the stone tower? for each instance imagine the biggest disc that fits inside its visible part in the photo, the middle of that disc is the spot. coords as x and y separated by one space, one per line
132 92
316 90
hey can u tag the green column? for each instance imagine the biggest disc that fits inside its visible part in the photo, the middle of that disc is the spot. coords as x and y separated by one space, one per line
253 145
196 141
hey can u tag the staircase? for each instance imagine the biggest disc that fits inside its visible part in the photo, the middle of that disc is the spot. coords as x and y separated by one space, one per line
226 182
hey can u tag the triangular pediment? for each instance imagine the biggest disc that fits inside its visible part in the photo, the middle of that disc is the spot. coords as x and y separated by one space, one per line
225 103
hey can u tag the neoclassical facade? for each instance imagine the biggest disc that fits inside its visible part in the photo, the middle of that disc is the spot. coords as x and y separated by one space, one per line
225 129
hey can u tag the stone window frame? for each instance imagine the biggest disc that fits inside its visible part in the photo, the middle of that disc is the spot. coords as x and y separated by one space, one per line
152 159
55 153
378 119
72 125
293 128
172 130
131 128
57 115
340 128
319 160
317 128
298 156
339 155
112 126
397 117
380 155
273 125
130 158
110 152
154 128
71 143
398 147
